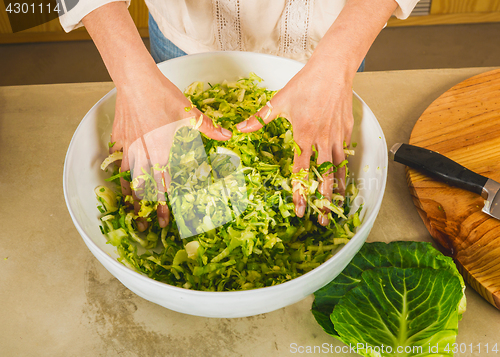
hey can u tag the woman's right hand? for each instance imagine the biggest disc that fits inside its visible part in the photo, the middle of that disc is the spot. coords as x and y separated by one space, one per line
144 109
146 101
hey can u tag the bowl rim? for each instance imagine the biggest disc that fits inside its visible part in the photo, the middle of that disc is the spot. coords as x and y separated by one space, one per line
126 270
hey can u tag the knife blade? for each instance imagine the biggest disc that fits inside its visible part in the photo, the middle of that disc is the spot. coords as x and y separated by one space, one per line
451 172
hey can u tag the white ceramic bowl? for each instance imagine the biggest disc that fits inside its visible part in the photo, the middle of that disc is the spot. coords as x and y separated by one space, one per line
89 147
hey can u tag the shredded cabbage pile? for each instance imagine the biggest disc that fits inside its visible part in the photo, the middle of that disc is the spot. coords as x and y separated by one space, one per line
261 242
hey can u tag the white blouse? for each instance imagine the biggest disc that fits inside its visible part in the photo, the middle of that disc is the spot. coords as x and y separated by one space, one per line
287 28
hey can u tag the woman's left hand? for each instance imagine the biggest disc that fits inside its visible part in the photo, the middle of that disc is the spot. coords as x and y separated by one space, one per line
318 103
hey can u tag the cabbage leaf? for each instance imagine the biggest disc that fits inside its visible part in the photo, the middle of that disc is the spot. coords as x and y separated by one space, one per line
401 294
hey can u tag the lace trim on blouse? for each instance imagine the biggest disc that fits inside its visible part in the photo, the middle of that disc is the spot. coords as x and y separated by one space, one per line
228 23
294 26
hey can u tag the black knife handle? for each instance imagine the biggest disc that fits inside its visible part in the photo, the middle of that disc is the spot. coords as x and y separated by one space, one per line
439 166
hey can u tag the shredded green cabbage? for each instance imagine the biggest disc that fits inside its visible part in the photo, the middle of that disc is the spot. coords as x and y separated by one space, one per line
261 242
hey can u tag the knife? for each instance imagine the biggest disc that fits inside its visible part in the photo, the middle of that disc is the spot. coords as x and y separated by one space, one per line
450 172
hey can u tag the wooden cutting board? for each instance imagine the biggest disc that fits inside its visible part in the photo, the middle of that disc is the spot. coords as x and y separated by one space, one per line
464 125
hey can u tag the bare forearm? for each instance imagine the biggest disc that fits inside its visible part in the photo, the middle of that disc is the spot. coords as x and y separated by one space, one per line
349 38
119 43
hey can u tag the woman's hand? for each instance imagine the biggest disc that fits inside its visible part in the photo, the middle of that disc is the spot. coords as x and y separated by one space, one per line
146 114
318 103
318 99
147 104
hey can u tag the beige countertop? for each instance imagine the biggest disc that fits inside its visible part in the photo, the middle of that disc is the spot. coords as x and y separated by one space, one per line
57 300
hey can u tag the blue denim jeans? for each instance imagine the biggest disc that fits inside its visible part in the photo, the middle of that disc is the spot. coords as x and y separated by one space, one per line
163 49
